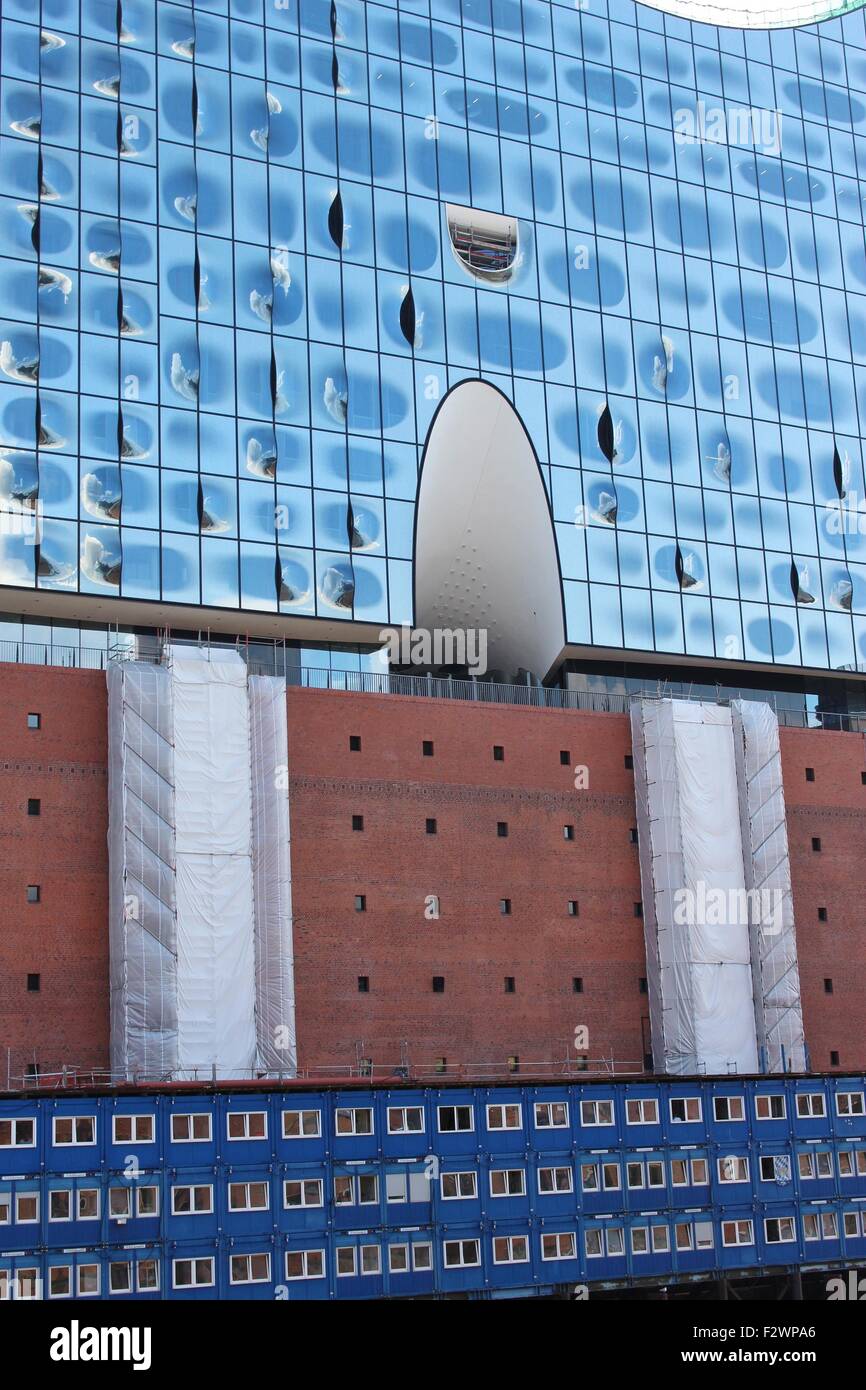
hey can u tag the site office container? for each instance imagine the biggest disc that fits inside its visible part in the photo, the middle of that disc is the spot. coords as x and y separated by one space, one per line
357 1195
506 1186
550 1119
731 1173
598 1178
72 1135
195 1269
692 1162
302 1126
778 1232
737 1236
190 1130
649 1195
458 1125
561 1193
22 1149
815 1169
728 1115
684 1107
771 1104
637 1126
193 1203
401 1112
304 1214
253 1263
774 1175
808 1096
847 1117
355 1122
246 1124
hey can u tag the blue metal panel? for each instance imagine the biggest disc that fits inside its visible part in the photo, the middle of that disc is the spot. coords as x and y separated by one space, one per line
402 1237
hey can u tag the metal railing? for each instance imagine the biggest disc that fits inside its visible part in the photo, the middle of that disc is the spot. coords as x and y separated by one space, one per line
427 686
428 1073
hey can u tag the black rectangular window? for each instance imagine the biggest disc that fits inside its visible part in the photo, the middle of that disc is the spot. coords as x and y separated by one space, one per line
427 748
33 982
577 984
502 829
628 761
34 806
810 774
357 822
638 909
863 778
509 984
822 914
431 825
573 907
568 832
828 986
564 757
632 835
816 843
363 984
360 902
834 1059
354 743
34 721
505 907
642 985
34 892
498 753
438 984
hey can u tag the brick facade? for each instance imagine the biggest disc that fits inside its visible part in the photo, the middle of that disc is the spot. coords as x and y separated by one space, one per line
396 865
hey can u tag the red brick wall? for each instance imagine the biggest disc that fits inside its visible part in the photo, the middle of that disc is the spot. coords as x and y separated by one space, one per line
395 864
833 808
64 937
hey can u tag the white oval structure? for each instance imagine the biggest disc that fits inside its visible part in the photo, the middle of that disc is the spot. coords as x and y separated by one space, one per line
485 550
747 14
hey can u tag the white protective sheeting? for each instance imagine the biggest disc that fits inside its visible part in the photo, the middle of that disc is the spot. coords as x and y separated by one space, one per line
275 988
775 970
142 910
213 847
693 881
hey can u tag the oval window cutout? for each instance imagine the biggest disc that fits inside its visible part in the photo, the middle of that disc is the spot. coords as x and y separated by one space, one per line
486 244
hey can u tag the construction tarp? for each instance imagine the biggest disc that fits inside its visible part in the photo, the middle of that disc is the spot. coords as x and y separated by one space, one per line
694 889
775 969
200 870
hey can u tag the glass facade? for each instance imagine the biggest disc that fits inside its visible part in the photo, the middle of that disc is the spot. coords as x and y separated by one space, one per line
250 245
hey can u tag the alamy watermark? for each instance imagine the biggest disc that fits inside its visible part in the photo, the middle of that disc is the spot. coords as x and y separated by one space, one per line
438 646
736 125
720 907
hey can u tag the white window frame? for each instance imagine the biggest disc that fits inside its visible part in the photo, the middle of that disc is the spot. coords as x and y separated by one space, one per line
593 1107
119 1215
737 1222
512 1259
849 1112
549 1106
406 1268
597 1233
364 1250
305 1254
120 1264
74 1142
249 1256
849 1155
459 1196
769 1097
427 1246
556 1168
79 1271
135 1120
690 1102
639 1231
504 1107
740 1168
642 1103
301 1114
806 1100
403 1111
191 1115
192 1188
193 1261
729 1101
14 1142
559 1236
67 1270
660 1238
303 1184
461 1263
508 1173
246 1116
468 1129
780 1239
139 1193
638 1164
247 1187
66 1192
354 1111
79 1193
27 1195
